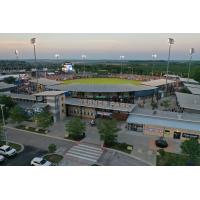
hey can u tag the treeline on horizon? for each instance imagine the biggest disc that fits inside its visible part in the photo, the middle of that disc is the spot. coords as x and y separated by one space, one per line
108 67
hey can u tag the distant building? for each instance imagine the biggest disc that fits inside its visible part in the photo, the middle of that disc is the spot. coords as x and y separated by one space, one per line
56 102
163 123
188 102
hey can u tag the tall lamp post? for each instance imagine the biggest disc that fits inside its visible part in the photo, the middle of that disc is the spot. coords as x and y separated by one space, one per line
17 58
4 125
154 56
170 42
84 58
57 56
33 42
121 58
190 60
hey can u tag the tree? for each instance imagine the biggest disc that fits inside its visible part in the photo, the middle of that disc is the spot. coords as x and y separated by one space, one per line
191 147
196 74
1 134
107 129
166 103
52 148
8 104
76 128
154 105
43 119
17 114
10 80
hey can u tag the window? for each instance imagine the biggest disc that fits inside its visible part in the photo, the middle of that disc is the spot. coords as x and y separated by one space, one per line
177 135
188 135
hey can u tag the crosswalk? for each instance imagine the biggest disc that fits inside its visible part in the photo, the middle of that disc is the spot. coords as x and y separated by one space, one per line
85 153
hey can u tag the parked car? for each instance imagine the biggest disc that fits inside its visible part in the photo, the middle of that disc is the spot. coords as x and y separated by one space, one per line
38 161
2 158
6 150
161 143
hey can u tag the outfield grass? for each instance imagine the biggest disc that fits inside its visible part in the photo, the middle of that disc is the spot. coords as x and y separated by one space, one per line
102 81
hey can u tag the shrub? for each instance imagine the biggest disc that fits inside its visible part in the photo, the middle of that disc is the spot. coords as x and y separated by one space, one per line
52 148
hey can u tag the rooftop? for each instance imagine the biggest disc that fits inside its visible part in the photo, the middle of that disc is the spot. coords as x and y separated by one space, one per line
190 80
100 87
158 82
163 122
167 114
189 101
20 96
49 93
124 107
193 88
45 81
172 76
4 86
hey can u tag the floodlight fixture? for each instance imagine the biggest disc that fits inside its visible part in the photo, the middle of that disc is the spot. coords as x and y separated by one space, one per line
154 56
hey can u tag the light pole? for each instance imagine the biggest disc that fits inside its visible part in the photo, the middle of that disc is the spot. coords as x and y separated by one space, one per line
170 42
4 125
121 58
17 58
190 60
84 58
154 56
33 42
57 56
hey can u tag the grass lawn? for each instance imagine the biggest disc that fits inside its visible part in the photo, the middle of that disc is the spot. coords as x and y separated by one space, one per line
54 158
102 81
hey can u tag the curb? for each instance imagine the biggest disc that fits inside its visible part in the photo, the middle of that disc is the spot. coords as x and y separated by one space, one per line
43 135
129 155
22 146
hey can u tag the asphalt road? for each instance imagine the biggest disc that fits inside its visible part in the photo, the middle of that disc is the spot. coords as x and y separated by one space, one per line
24 158
38 141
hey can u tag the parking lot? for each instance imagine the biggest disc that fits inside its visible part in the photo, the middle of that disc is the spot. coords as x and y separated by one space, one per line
24 158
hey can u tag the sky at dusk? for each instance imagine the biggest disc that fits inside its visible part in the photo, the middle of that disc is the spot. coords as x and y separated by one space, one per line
99 46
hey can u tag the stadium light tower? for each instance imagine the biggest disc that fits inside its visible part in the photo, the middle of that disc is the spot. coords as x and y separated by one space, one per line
84 58
33 42
154 56
170 42
17 58
57 56
121 58
190 60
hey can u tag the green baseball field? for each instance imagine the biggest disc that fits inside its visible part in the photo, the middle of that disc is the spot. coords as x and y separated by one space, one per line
102 81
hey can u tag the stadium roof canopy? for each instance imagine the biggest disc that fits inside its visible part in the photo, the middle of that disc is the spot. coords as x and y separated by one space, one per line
45 81
189 101
100 88
163 122
157 83
49 93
